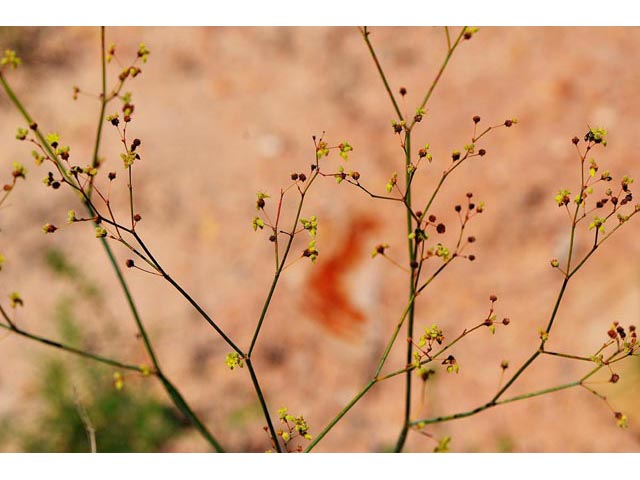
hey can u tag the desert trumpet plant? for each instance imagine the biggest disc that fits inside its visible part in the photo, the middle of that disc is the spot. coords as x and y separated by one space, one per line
601 205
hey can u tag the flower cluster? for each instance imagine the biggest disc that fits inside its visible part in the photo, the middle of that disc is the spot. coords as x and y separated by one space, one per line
295 426
10 58
234 360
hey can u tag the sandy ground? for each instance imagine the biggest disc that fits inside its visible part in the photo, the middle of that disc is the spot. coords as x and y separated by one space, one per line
225 112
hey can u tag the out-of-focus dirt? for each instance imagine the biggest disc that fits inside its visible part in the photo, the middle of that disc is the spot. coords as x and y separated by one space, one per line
225 112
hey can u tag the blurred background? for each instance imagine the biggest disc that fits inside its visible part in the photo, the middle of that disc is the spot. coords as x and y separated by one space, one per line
223 113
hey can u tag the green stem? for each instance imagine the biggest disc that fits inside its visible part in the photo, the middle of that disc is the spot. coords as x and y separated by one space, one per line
339 416
70 349
567 355
263 404
184 407
175 395
468 413
226 338
201 311
371 383
551 319
494 403
441 71
103 106
276 278
556 307
542 342
582 262
381 363
263 315
181 290
394 335
365 34
131 197
515 376
444 176
410 311
432 358
411 244
173 392
171 389
132 306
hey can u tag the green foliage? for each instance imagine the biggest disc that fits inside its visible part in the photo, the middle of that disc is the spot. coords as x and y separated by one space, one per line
126 420
58 262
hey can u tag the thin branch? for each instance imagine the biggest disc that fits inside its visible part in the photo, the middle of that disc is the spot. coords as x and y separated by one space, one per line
441 71
86 421
365 35
175 395
103 105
